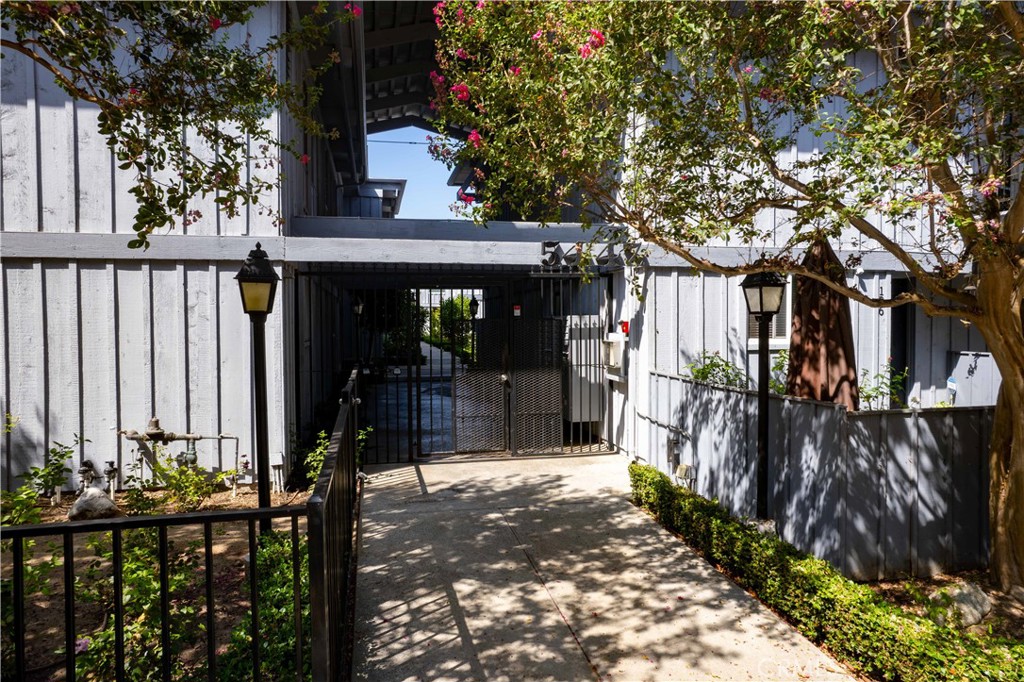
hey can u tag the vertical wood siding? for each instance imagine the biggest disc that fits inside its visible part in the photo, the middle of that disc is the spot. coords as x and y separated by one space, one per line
60 176
92 346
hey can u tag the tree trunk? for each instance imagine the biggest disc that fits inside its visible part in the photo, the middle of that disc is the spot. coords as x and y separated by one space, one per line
1001 325
1006 493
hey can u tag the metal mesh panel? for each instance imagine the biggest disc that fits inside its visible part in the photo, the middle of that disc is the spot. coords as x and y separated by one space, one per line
480 394
537 385
479 411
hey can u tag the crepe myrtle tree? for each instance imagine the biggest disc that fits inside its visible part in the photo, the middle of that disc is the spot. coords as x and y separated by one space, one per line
675 122
169 82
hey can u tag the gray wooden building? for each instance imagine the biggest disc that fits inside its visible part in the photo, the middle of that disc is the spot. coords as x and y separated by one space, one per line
97 338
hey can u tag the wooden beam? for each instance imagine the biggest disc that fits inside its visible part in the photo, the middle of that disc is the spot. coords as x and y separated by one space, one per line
394 101
389 37
414 68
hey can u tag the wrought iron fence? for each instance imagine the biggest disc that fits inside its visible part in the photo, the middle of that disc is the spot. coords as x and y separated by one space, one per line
329 518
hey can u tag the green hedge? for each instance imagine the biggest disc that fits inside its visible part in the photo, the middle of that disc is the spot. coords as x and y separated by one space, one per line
870 635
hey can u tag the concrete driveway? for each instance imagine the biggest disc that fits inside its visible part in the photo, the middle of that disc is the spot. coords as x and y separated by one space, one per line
539 568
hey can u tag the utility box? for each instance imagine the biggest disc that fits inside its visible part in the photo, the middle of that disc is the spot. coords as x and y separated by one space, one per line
614 360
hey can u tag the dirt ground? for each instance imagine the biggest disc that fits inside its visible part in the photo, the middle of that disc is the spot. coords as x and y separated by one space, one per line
1006 619
45 619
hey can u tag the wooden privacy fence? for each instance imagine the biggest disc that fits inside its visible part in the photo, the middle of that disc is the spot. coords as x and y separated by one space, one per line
877 494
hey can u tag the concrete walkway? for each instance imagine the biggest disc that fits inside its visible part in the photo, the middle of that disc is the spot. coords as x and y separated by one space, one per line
539 568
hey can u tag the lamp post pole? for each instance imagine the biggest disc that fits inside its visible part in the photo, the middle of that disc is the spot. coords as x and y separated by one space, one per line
259 369
764 293
762 415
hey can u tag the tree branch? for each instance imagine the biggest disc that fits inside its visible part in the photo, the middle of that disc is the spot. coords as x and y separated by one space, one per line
930 307
1014 21
58 74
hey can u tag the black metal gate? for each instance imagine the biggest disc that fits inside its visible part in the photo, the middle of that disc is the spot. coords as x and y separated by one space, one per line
512 366
479 392
537 350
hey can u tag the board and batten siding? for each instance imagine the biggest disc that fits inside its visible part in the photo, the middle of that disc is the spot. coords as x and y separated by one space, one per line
92 346
58 175
684 312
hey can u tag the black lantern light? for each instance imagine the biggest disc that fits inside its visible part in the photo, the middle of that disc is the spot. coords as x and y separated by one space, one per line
764 293
257 283
474 307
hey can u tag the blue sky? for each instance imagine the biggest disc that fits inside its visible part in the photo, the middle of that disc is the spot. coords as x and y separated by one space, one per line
426 194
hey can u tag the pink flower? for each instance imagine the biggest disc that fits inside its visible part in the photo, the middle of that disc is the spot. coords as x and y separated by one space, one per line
436 78
465 198
215 23
585 51
82 645
514 70
460 15
461 54
475 139
748 69
461 91
596 38
538 35
990 187
304 159
480 5
356 10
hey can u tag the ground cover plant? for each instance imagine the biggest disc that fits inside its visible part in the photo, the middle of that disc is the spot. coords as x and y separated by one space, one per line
857 626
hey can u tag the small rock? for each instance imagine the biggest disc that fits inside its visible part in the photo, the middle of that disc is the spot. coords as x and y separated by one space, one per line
93 504
764 526
967 600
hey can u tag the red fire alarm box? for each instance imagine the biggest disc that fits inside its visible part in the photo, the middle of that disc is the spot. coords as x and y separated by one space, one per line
624 325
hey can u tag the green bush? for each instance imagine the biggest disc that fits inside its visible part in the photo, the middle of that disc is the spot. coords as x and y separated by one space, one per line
712 368
873 637
140 575
277 617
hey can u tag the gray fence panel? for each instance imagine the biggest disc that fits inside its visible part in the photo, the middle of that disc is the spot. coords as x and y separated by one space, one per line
830 484
877 494
863 499
900 486
931 551
969 504
803 458
779 414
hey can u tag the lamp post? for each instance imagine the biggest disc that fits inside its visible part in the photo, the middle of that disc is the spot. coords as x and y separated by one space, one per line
763 291
257 283
357 310
474 308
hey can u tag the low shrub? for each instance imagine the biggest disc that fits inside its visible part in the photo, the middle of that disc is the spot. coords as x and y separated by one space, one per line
277 617
141 604
870 635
